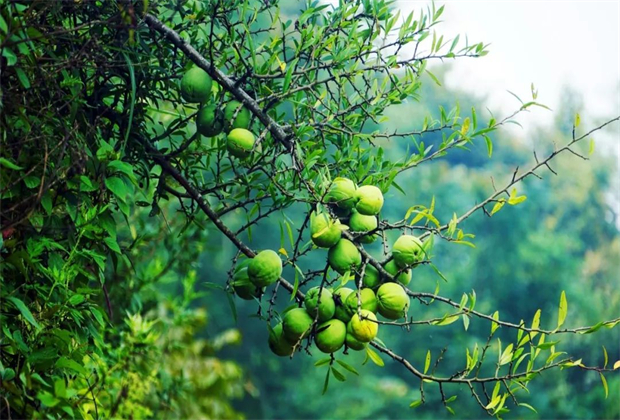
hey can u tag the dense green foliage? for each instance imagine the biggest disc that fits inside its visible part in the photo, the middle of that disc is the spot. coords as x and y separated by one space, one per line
110 199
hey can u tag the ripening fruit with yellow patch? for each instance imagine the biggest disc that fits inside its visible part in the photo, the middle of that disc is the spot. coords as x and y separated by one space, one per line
363 328
370 200
324 231
240 142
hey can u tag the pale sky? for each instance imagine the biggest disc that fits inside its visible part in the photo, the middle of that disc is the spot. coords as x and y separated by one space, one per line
550 43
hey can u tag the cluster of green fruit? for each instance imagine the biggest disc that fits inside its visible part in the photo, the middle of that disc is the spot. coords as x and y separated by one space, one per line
211 121
335 317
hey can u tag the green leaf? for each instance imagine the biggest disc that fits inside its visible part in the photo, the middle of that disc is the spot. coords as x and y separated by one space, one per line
415 404
577 120
591 149
21 306
338 375
323 361
506 356
605 356
347 367
432 76
112 244
498 205
528 406
376 359
10 165
117 187
495 325
563 309
326 383
11 58
604 381
489 143
32 181
120 166
65 363
427 363
23 78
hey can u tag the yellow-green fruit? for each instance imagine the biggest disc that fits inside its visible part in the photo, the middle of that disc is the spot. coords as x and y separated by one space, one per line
325 233
243 116
392 301
240 142
364 329
265 268
330 335
196 85
210 120
371 277
343 193
241 283
407 250
296 324
368 298
404 277
359 222
326 305
352 342
344 256
340 298
278 343
370 200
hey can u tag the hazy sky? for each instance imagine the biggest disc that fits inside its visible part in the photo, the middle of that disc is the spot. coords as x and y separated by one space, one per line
550 43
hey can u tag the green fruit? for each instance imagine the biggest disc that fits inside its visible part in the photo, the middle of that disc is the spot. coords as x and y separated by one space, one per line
340 297
243 116
196 85
241 283
370 200
278 343
343 193
240 143
265 268
326 306
344 256
352 342
404 277
359 222
325 232
296 324
407 250
371 277
364 329
392 301
368 298
331 335
209 120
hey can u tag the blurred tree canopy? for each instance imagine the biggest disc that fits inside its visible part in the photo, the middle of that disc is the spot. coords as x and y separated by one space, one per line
121 222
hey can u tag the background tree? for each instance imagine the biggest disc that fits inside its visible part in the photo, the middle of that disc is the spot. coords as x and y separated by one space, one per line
95 128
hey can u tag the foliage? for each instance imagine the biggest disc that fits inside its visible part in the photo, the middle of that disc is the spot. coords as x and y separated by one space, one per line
95 134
